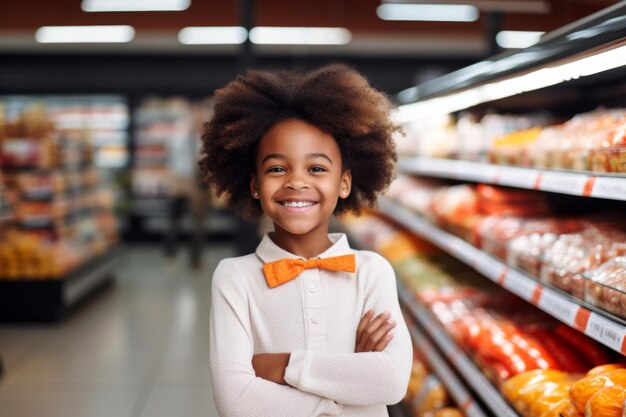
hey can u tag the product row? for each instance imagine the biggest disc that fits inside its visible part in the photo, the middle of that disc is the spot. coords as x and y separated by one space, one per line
594 141
579 254
513 343
426 395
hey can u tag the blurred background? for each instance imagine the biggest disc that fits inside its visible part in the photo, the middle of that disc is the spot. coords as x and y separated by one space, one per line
108 238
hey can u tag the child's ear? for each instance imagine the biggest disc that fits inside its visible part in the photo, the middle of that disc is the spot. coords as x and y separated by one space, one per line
254 187
346 184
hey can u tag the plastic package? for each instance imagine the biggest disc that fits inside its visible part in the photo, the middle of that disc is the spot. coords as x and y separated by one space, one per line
608 152
607 402
448 412
606 287
585 388
575 254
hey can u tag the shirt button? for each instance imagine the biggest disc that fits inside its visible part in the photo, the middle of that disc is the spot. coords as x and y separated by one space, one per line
312 288
315 319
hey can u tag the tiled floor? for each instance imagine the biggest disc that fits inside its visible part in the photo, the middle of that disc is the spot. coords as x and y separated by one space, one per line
137 349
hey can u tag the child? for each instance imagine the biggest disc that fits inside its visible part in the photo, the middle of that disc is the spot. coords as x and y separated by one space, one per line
303 326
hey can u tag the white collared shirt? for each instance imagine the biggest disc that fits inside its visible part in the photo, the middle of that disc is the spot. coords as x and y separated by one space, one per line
314 317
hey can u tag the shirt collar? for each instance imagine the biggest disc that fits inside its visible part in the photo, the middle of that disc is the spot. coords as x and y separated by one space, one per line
268 251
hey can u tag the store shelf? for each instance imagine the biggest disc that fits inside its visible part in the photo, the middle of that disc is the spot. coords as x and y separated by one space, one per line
489 395
442 369
586 184
37 300
598 325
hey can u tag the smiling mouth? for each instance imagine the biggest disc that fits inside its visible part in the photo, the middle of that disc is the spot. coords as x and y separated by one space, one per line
298 204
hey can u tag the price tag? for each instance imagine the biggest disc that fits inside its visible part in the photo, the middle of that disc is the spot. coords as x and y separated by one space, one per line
606 331
520 285
559 307
518 177
563 182
608 187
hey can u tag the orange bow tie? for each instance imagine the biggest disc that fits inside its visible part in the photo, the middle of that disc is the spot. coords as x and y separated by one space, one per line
284 270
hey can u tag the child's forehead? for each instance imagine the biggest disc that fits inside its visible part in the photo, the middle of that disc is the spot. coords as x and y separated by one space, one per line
299 140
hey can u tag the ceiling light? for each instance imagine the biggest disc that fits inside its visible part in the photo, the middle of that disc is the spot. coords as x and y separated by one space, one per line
428 12
226 35
508 6
300 36
508 87
517 38
85 34
135 5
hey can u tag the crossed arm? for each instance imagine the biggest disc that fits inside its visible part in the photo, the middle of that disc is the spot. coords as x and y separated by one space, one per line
305 383
372 335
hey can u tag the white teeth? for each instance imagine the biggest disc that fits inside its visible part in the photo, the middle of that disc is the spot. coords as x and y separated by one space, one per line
297 203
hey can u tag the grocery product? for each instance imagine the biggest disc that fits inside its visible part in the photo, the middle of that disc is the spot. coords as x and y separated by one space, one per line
607 402
606 286
605 368
585 388
521 389
587 349
448 412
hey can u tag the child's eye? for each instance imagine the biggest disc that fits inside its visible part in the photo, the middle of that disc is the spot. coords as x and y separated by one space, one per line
317 169
276 169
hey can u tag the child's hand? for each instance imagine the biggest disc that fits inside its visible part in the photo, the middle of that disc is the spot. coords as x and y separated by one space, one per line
271 366
374 335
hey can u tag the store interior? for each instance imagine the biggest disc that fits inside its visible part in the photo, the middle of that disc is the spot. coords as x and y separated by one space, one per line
505 224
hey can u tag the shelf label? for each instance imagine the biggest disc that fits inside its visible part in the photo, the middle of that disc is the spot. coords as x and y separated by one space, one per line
607 332
563 182
608 187
559 307
518 177
520 285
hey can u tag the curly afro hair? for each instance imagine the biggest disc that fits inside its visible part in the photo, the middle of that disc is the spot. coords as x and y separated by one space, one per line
335 98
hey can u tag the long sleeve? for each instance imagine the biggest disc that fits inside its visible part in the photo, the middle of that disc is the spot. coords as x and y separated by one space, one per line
361 378
237 391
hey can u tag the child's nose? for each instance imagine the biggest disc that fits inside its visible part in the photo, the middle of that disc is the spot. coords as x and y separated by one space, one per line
296 182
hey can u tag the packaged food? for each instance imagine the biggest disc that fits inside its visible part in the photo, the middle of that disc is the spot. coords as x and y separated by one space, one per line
608 151
607 402
511 388
592 352
448 412
605 368
583 389
550 397
606 287
570 411
574 254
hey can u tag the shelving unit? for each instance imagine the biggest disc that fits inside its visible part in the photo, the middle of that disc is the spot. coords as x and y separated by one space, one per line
599 325
459 360
584 184
48 299
541 77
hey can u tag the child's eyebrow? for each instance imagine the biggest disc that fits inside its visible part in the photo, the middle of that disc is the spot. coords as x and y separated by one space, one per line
320 155
308 156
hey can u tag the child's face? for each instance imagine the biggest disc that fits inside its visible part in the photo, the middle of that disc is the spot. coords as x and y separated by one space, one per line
299 177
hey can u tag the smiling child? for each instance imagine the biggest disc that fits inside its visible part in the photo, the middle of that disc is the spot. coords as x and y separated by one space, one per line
305 326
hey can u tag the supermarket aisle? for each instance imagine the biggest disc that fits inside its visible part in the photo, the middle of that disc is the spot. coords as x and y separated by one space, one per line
139 349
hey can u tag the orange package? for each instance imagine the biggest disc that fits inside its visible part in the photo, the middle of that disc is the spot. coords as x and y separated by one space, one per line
607 402
605 368
448 412
584 389
550 397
